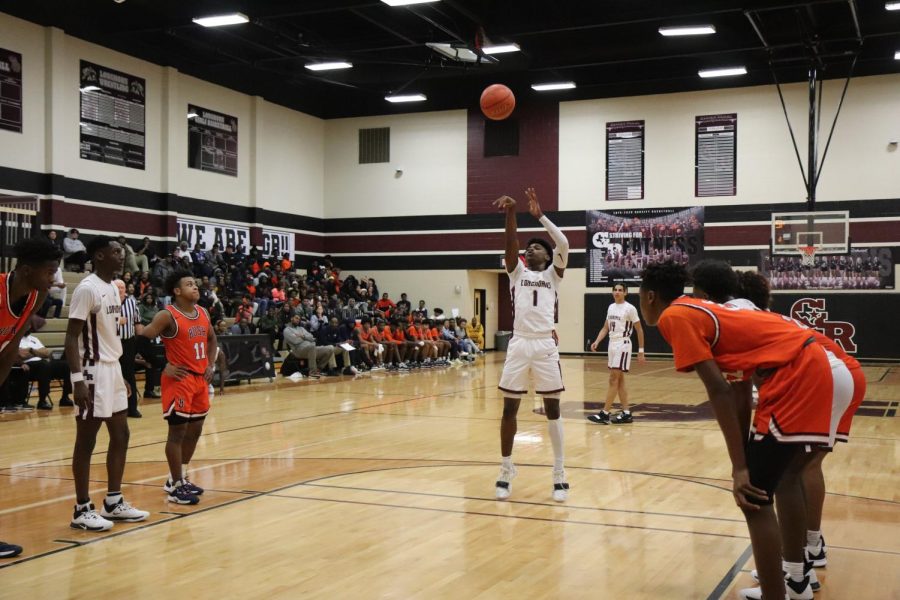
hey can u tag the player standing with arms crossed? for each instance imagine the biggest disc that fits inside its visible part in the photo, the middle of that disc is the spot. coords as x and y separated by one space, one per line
533 349
189 340
93 349
621 320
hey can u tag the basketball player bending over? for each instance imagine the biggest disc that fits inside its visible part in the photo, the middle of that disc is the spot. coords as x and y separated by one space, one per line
24 290
621 320
532 349
189 340
801 386
93 348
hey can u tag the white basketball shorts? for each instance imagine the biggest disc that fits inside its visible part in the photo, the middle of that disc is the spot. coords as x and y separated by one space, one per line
532 357
106 388
619 356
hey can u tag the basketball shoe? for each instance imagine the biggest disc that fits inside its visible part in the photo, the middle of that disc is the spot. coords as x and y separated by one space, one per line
601 418
504 487
808 571
169 487
181 495
9 550
560 487
89 520
796 590
818 560
122 511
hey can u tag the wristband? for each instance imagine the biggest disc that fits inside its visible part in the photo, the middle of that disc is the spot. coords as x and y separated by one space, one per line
76 377
640 349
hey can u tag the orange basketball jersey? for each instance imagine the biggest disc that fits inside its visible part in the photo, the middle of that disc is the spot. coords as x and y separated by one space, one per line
11 322
187 348
738 340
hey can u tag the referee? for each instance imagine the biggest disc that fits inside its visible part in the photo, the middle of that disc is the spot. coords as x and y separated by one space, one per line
129 327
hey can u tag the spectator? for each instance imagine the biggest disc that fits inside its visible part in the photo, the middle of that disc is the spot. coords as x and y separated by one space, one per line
143 285
147 309
54 239
475 332
329 335
302 344
448 333
38 366
404 305
74 252
318 319
161 271
286 264
279 294
268 325
182 255
422 309
385 305
56 296
142 257
351 311
244 315
465 343
131 264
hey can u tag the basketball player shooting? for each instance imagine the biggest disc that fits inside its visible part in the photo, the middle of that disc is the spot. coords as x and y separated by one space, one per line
533 349
189 340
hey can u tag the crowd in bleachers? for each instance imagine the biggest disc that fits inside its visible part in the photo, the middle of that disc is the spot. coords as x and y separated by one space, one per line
828 272
328 324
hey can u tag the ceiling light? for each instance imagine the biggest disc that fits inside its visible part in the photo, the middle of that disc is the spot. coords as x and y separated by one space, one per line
689 30
892 5
220 20
406 2
897 55
406 98
546 87
328 66
722 72
500 48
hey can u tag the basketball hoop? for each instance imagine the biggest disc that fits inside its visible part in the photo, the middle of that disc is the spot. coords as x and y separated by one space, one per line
807 255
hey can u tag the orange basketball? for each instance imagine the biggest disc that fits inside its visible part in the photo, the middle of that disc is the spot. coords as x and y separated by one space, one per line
497 102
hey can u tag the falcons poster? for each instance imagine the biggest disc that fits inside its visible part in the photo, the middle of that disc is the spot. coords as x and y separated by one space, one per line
622 242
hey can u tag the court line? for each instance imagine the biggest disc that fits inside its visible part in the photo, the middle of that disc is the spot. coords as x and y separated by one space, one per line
523 517
731 574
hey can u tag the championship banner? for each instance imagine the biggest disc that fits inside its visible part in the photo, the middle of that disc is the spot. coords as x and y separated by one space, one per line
620 243
276 243
862 269
211 235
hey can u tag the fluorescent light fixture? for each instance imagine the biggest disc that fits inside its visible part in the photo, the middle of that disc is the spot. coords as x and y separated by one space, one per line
501 49
329 66
727 72
897 55
406 98
546 87
892 5
221 20
90 88
687 30
406 2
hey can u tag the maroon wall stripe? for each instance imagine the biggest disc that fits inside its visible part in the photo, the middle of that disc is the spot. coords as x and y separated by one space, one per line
536 165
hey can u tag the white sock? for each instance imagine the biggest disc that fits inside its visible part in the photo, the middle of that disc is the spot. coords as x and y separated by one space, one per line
794 570
84 506
506 461
556 439
184 470
814 541
113 498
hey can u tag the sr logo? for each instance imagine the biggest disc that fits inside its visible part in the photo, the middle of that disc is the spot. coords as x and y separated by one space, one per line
812 313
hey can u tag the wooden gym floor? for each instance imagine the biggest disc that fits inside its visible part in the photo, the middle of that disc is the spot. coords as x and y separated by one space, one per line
382 487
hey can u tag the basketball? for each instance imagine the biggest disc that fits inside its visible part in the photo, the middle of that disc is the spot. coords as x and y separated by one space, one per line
497 102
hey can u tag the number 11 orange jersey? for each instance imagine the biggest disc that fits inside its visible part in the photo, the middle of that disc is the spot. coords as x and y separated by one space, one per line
187 348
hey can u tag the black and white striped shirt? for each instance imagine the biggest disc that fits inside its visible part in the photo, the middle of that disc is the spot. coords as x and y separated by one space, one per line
131 316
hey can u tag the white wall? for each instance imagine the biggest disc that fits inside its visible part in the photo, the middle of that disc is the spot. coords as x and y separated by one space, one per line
280 151
429 147
859 164
26 150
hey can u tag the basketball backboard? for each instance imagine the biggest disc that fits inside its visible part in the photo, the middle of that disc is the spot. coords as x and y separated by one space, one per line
827 231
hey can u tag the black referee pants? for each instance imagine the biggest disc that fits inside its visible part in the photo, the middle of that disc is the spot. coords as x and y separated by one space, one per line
129 350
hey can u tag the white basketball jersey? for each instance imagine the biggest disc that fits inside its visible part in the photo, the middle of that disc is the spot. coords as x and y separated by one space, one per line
741 303
534 299
96 302
621 319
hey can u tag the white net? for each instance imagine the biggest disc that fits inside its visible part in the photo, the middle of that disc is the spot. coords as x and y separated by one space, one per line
807 255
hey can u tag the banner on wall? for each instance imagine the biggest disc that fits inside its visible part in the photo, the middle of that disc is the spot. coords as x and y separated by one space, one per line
861 269
112 116
620 243
212 141
210 234
854 321
10 90
276 243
